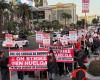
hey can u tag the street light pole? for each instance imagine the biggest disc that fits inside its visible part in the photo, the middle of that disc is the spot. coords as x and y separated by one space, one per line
85 18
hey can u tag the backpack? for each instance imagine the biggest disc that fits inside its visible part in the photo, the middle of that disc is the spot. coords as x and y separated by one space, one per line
80 75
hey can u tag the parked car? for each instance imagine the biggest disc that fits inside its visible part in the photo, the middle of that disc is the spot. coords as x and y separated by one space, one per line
15 43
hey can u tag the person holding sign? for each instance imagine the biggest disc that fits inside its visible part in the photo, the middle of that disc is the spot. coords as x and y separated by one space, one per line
20 74
52 67
4 66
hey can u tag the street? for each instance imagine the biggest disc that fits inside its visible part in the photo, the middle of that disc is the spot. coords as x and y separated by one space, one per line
32 45
50 39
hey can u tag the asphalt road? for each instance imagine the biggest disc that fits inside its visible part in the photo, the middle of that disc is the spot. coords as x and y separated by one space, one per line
32 45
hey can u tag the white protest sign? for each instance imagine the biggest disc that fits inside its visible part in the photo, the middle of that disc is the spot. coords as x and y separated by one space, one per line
72 36
39 37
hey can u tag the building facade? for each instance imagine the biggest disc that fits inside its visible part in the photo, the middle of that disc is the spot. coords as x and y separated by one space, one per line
88 18
58 9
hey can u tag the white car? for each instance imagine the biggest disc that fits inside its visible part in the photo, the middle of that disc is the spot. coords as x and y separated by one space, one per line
16 43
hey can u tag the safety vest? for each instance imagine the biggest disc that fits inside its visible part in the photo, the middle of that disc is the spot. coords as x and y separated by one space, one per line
73 74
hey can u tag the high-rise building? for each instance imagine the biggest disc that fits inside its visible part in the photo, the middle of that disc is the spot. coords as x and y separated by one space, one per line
41 3
54 12
88 18
60 8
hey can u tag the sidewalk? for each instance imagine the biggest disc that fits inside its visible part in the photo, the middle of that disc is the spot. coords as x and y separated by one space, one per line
14 77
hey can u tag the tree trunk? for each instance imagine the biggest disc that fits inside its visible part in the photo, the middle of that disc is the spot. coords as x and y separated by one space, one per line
65 22
1 26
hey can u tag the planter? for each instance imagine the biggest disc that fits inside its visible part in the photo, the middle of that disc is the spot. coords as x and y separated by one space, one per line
93 72
94 68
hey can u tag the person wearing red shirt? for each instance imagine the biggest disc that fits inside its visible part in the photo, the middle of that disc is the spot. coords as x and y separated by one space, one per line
78 45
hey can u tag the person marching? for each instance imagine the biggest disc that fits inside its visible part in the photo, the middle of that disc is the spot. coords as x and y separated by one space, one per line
4 66
20 74
52 67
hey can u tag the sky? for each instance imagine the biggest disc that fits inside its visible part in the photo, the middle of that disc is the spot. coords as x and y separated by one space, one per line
94 6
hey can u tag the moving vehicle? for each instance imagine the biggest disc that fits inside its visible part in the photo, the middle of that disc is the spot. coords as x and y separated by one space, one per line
15 43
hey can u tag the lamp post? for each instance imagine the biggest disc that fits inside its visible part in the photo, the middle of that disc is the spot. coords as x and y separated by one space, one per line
85 10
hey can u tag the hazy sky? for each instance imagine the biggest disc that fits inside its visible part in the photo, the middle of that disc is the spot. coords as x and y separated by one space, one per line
94 5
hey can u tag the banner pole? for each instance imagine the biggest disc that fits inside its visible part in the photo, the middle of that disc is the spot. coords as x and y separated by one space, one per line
85 30
47 76
39 46
39 74
64 68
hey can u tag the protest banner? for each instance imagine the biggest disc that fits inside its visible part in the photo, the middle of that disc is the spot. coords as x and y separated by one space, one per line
39 37
64 40
64 55
8 37
72 36
46 39
81 33
28 60
85 6
9 44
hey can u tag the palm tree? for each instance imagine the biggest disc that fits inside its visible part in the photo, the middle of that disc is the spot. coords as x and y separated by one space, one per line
66 17
24 12
56 25
45 25
35 24
3 7
95 21
38 3
11 26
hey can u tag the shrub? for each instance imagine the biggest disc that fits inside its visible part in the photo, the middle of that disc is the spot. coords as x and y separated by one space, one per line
94 68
